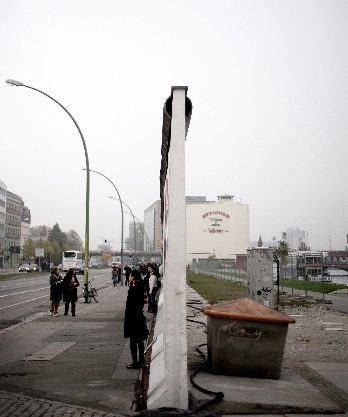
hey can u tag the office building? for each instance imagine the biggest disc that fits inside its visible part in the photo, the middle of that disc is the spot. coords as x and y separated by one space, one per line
216 229
153 227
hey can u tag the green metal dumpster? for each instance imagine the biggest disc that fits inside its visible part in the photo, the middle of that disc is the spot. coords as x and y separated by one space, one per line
246 338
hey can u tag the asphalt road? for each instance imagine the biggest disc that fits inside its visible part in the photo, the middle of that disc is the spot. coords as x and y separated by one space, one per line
26 296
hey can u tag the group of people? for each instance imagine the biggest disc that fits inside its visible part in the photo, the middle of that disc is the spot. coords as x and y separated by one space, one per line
63 288
142 290
150 275
117 274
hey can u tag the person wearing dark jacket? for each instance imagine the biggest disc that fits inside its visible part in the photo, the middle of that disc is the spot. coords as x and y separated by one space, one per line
55 291
127 270
135 322
70 284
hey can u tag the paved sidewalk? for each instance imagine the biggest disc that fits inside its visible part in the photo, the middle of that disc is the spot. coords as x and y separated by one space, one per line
80 361
75 366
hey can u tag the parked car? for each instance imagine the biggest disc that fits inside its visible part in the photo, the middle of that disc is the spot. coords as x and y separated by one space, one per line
34 268
60 267
24 268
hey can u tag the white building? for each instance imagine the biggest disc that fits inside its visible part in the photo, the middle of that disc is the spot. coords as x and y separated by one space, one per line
218 229
153 227
294 237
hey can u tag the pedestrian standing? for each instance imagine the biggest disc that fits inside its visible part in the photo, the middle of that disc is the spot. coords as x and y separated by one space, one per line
70 284
147 290
153 289
55 291
135 322
127 270
114 273
119 274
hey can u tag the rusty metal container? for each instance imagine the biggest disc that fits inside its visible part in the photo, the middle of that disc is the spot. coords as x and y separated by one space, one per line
246 338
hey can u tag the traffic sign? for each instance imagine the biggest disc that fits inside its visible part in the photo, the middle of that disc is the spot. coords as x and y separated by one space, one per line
39 252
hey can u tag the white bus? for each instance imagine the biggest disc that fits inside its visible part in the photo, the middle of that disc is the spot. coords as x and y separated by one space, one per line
73 259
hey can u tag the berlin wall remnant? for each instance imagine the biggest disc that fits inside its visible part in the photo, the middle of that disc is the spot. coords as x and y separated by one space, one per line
260 275
168 376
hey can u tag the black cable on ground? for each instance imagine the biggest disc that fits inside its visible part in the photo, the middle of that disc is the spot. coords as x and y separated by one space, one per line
218 396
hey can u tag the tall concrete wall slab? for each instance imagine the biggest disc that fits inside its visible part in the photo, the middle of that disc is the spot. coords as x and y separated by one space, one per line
260 275
168 370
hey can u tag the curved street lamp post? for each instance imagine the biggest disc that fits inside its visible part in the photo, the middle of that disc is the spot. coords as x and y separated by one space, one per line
134 217
96 172
20 84
133 224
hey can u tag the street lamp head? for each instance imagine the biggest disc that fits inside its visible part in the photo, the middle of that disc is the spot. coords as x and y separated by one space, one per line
14 83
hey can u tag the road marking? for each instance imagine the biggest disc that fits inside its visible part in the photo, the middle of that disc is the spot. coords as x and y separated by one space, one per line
23 292
26 321
337 329
49 352
23 302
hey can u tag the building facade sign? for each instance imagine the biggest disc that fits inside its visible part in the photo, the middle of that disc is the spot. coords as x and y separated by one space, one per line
211 213
216 228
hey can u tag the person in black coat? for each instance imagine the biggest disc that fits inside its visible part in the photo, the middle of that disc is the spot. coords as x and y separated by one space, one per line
135 322
55 291
127 271
70 284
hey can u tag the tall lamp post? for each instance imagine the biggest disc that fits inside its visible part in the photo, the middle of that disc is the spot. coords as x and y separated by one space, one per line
96 172
135 245
20 84
134 217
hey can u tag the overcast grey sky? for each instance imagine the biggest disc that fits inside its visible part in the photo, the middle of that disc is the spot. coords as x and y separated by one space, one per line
267 80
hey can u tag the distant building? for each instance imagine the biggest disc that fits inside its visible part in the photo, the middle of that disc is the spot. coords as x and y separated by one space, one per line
14 209
294 238
139 237
153 228
213 228
260 243
3 202
219 229
196 199
265 243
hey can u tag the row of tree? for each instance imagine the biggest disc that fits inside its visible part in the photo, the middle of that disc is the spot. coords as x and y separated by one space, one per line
54 242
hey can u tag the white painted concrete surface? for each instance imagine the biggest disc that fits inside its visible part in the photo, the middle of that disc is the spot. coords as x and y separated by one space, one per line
168 374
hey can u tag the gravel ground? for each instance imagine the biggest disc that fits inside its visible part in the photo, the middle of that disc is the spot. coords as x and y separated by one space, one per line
319 334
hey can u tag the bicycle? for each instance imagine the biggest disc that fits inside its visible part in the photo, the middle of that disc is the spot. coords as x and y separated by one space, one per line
89 293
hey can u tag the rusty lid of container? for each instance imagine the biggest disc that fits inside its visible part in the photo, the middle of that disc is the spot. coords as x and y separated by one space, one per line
246 309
